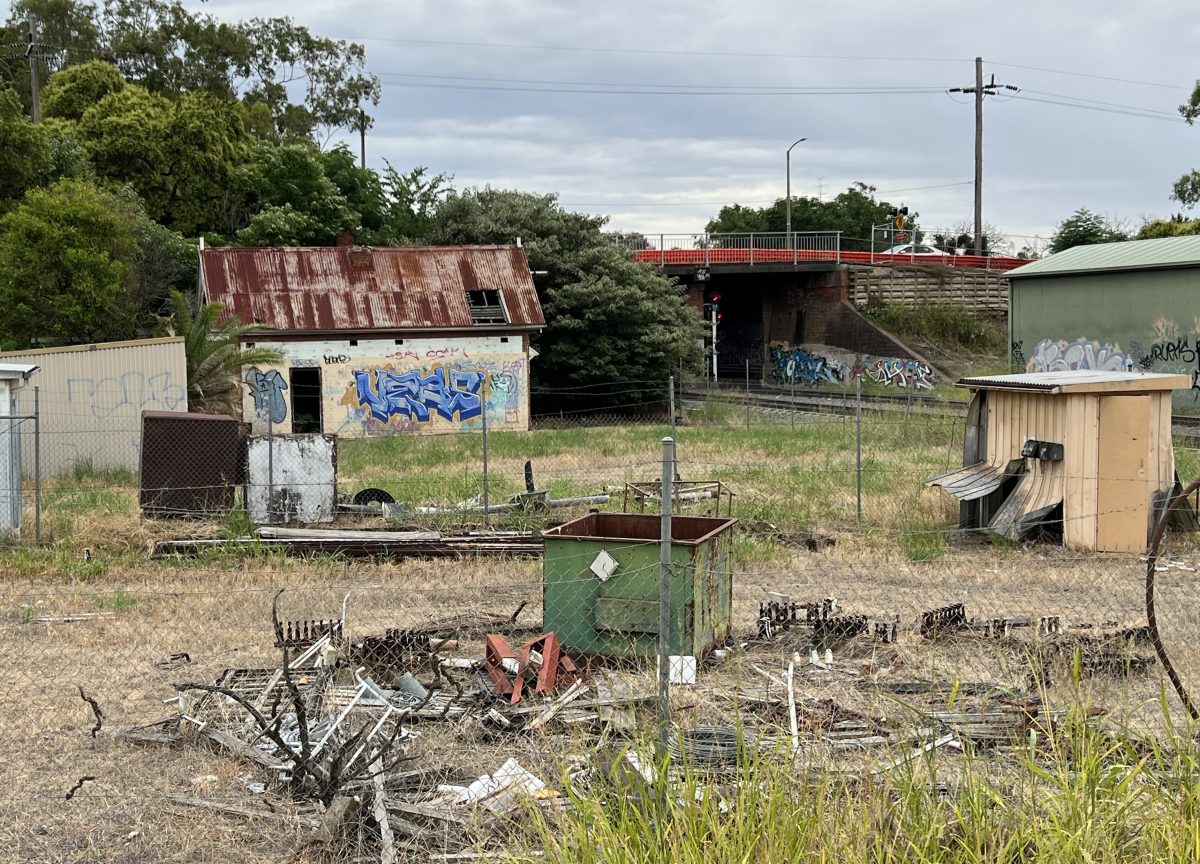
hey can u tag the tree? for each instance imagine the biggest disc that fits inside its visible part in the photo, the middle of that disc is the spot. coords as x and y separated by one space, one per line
178 155
854 213
410 202
297 204
26 159
67 31
71 92
1176 226
214 354
67 268
1083 228
609 318
1187 188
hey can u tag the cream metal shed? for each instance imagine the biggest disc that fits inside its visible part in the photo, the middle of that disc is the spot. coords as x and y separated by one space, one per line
1084 453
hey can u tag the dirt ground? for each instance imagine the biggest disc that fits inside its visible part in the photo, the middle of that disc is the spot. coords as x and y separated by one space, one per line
219 615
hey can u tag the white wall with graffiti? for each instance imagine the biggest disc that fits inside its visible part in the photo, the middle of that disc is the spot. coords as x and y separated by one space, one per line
91 399
369 387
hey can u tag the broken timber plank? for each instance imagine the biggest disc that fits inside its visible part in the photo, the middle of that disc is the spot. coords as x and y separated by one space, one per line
387 842
244 812
427 811
240 748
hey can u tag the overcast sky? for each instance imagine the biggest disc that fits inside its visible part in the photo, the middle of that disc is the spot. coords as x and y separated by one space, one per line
461 80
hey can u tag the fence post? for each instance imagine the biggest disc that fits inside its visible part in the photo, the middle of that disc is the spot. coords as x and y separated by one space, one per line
37 466
486 517
270 470
858 445
793 412
664 604
671 398
747 392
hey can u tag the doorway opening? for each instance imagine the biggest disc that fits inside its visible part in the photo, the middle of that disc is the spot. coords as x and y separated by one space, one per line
306 399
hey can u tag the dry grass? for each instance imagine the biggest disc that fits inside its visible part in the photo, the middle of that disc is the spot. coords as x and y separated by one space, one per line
217 609
218 612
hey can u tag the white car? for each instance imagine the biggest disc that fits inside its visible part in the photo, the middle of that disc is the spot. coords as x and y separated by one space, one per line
914 249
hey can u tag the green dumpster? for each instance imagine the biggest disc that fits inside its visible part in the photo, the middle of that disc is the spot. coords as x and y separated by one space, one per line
616 615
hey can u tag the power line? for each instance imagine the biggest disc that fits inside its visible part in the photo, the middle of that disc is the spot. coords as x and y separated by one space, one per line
1149 114
660 51
664 92
673 86
1090 75
751 201
1173 114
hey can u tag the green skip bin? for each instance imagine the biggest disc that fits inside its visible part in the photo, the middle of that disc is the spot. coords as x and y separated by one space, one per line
599 608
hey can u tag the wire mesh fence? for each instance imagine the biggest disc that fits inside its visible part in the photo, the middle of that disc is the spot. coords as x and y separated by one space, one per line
828 597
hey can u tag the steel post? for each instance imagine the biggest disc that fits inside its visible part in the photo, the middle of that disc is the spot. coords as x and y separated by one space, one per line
37 466
664 603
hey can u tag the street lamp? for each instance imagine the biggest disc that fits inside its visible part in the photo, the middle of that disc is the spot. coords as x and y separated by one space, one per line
789 189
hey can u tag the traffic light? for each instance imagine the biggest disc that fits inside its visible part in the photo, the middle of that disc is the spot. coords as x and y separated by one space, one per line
712 306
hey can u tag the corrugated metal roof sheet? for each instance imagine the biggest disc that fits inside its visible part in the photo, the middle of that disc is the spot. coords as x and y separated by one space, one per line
1080 381
971 482
389 288
1126 255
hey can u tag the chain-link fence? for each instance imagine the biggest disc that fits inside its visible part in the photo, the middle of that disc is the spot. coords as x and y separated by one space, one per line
162 691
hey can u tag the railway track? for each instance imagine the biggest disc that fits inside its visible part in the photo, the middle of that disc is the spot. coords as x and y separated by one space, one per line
810 401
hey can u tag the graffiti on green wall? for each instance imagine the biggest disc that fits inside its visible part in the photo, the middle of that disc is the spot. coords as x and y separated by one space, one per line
1168 350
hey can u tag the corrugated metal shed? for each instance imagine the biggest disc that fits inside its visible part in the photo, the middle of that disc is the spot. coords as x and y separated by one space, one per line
1079 381
91 398
361 288
1157 254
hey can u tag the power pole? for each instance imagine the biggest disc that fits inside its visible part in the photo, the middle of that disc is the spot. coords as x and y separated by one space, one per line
362 137
35 89
979 91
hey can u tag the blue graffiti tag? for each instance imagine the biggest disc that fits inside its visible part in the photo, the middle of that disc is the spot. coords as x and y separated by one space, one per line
797 366
413 395
267 389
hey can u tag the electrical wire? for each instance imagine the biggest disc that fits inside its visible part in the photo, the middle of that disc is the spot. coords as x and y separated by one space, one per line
1136 113
664 92
731 87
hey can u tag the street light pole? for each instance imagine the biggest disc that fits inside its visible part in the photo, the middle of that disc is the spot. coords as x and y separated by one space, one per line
789 189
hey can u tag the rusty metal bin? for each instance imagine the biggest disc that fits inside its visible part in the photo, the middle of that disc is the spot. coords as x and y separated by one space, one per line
617 615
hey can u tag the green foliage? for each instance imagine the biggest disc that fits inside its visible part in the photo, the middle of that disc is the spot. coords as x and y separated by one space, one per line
72 91
409 203
950 326
300 206
1186 189
1083 228
67 268
179 156
853 212
25 153
608 317
214 354
1176 226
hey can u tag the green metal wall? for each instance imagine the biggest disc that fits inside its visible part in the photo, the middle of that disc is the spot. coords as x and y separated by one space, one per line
1104 320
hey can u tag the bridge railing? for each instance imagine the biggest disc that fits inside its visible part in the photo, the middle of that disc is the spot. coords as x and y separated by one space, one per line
749 248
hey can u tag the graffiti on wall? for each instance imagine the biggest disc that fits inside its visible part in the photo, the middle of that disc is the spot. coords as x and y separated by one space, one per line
381 396
267 390
132 390
797 366
896 372
410 394
1064 356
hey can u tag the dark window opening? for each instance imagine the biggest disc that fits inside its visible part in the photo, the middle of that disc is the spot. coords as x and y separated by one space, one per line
798 333
503 339
306 399
353 342
399 341
486 307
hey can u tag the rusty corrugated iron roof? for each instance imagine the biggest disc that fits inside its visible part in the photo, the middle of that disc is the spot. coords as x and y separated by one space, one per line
369 288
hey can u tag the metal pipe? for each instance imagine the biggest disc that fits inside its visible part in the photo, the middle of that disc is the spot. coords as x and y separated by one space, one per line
747 392
483 414
37 467
858 444
664 603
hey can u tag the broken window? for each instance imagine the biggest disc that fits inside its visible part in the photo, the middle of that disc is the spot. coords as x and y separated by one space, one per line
486 307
